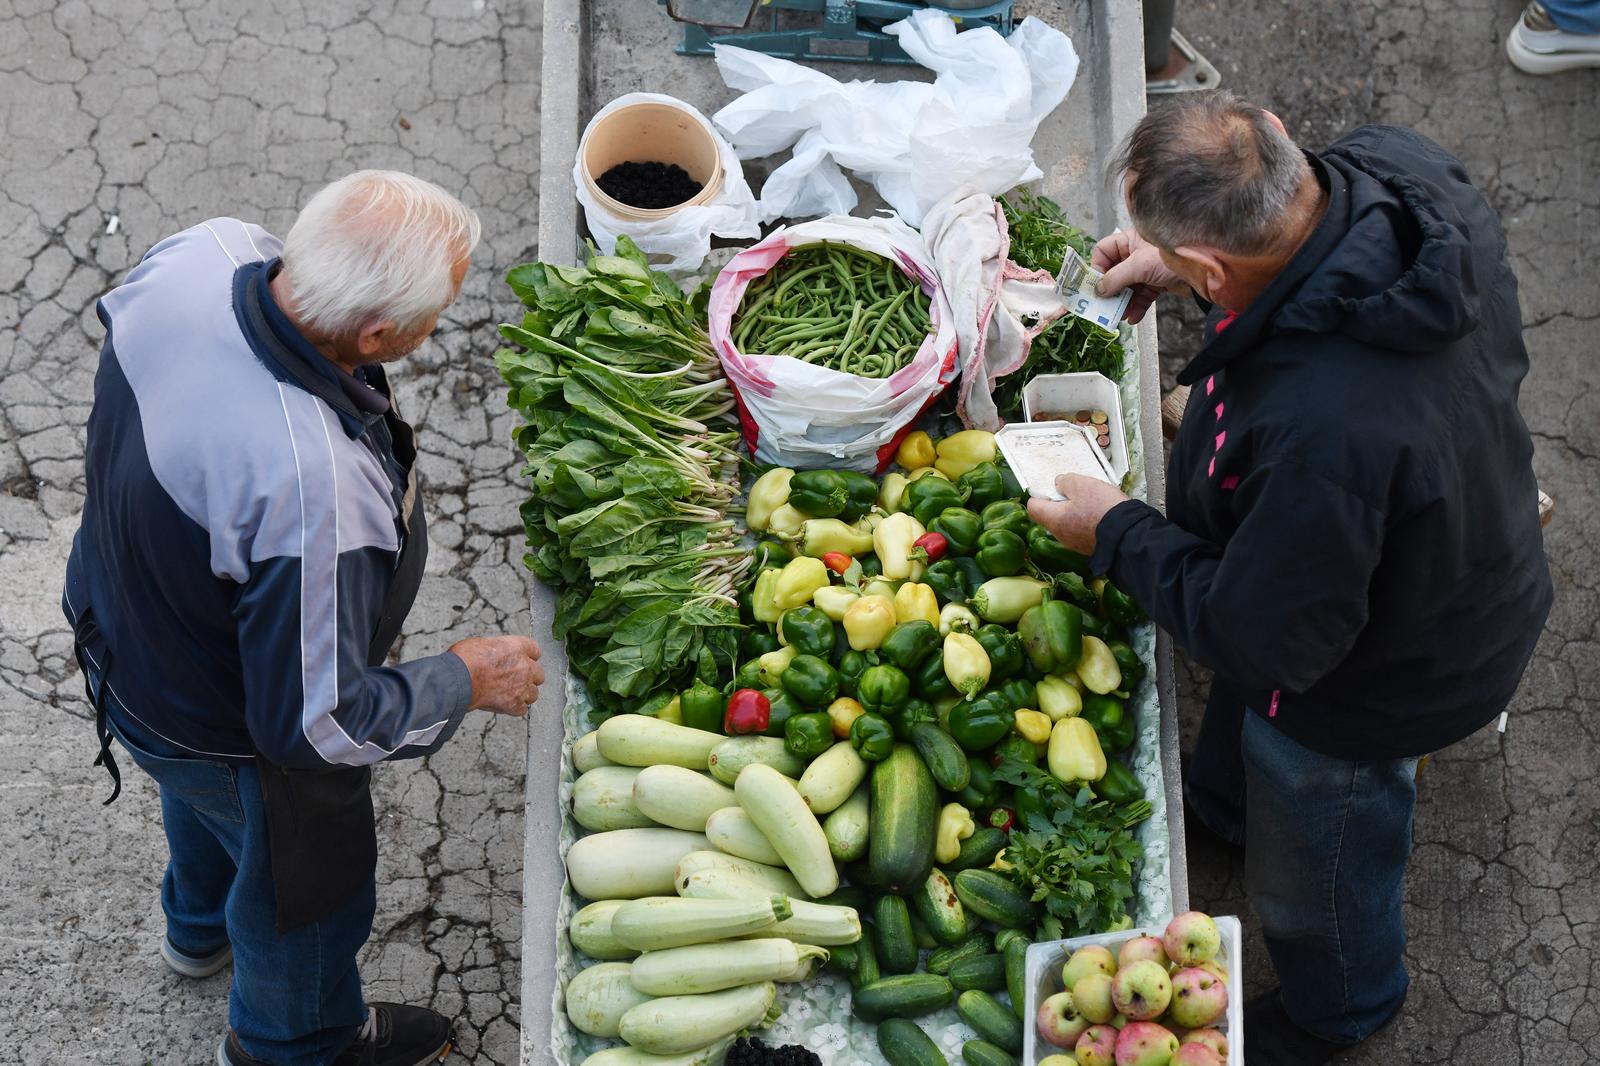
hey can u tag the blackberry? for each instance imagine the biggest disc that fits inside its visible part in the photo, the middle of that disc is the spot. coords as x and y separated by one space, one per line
749 1051
648 185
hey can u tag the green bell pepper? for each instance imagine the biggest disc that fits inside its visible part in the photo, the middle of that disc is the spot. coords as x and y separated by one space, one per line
927 497
984 485
861 492
783 708
1070 587
1052 636
772 554
872 736
1005 652
811 681
1000 553
1128 661
930 681
1118 785
975 577
1051 555
1111 721
871 566
1016 746
909 644
960 527
1008 515
757 641
1021 694
884 689
805 736
980 724
947 582
982 790
1119 607
819 493
1013 487
914 713
851 666
702 706
749 673
1092 625
808 630
1032 811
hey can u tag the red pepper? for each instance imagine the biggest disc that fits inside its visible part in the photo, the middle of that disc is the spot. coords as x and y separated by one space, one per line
929 548
748 712
838 562
1002 818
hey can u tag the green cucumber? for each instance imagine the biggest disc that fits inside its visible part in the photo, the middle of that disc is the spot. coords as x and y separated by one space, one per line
896 940
842 960
867 970
1016 956
904 1044
979 849
989 1018
904 817
983 1053
986 972
922 934
995 897
905 996
1006 936
971 947
851 896
936 904
943 756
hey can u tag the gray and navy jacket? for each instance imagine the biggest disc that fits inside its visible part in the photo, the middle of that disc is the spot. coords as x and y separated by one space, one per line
252 537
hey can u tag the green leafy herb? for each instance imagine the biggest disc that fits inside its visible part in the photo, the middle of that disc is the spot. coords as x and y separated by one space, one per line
1084 871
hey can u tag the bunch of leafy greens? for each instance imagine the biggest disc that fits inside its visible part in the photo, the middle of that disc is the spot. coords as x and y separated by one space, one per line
1040 237
1083 872
634 464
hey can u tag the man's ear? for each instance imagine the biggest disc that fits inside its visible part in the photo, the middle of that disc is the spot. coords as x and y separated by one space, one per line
1276 122
1205 266
373 339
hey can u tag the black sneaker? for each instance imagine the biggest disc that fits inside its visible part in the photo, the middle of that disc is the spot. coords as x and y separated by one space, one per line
394 1035
1272 1039
195 966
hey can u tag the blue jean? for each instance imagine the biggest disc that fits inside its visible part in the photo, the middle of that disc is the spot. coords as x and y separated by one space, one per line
296 998
1326 845
1575 16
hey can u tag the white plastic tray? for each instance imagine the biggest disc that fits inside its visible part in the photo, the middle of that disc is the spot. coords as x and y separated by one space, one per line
1088 390
1055 447
1044 980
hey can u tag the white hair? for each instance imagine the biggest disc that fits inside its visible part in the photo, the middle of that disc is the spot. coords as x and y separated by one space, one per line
376 246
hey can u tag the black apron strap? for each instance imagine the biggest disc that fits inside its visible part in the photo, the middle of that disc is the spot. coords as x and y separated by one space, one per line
98 691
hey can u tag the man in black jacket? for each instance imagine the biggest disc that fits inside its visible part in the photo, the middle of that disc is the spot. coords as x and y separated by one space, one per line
1351 541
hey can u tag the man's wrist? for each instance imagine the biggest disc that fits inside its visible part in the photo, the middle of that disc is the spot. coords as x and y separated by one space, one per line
1111 528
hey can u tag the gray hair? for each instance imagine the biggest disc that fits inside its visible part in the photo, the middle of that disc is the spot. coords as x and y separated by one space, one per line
376 246
1210 169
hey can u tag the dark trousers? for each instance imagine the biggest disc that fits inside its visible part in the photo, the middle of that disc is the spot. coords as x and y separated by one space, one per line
1326 844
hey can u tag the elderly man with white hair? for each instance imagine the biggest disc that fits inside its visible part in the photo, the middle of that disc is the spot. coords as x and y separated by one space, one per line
251 542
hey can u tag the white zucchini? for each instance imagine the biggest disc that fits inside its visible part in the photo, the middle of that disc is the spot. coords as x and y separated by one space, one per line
598 997
678 797
735 753
632 1056
677 1024
602 799
773 880
832 777
586 753
712 967
639 740
670 922
732 831
811 923
786 821
846 828
629 863
590 932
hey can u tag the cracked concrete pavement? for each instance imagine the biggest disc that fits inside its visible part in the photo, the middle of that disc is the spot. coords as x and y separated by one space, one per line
161 113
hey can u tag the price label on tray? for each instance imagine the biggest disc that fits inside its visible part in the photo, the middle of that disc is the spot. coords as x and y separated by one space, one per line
1079 284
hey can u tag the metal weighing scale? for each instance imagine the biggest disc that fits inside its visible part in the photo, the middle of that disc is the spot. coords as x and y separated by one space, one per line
849 30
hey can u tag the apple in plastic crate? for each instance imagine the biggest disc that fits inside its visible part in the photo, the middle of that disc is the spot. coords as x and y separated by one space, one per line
1192 938
1142 949
1092 996
1195 1055
1211 1038
1199 999
1141 991
1145 1044
1059 1021
1097 1046
1095 959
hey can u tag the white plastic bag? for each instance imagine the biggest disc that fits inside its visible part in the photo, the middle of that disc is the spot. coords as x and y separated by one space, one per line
678 243
914 142
794 413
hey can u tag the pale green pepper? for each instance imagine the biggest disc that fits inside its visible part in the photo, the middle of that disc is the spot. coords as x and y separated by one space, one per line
955 825
800 579
880 586
763 601
819 536
868 621
835 600
1075 753
785 521
892 492
957 618
773 664
770 492
1058 699
1098 668
1006 599
962 451
966 664
913 601
892 541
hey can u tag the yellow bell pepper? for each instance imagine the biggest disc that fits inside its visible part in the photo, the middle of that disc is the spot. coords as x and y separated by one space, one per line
798 581
786 520
966 664
957 618
672 712
1033 726
955 825
1058 699
892 492
1071 677
914 601
835 600
773 664
770 492
892 540
1098 668
842 714
962 451
1075 753
819 536
916 451
868 621
928 471
763 602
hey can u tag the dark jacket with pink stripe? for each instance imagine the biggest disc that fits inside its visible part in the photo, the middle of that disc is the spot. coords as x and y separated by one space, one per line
1352 530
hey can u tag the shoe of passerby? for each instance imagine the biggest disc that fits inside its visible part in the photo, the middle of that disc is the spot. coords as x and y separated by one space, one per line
1271 1038
197 966
394 1035
1537 45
